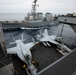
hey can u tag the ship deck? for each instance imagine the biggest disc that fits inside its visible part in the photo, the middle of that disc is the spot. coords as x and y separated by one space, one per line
66 66
45 55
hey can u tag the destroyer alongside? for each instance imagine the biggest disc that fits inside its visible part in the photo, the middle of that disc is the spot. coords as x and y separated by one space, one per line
33 19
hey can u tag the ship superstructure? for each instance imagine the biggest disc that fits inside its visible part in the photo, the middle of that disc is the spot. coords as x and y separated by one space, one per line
37 16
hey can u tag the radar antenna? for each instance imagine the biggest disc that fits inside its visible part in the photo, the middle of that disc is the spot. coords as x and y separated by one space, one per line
33 11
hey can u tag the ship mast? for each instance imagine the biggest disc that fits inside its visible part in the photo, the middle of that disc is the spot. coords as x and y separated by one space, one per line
33 11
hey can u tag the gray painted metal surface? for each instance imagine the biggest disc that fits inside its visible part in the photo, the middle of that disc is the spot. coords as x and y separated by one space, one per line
64 66
70 20
2 43
19 25
7 70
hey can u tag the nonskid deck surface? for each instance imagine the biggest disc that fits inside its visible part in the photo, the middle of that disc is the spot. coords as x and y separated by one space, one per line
45 55
66 66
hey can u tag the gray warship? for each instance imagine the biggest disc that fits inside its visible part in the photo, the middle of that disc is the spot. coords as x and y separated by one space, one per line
33 19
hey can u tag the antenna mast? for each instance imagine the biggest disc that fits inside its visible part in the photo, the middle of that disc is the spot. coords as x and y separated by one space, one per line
33 11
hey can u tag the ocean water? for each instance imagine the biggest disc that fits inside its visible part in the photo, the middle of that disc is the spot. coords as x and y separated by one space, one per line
12 16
